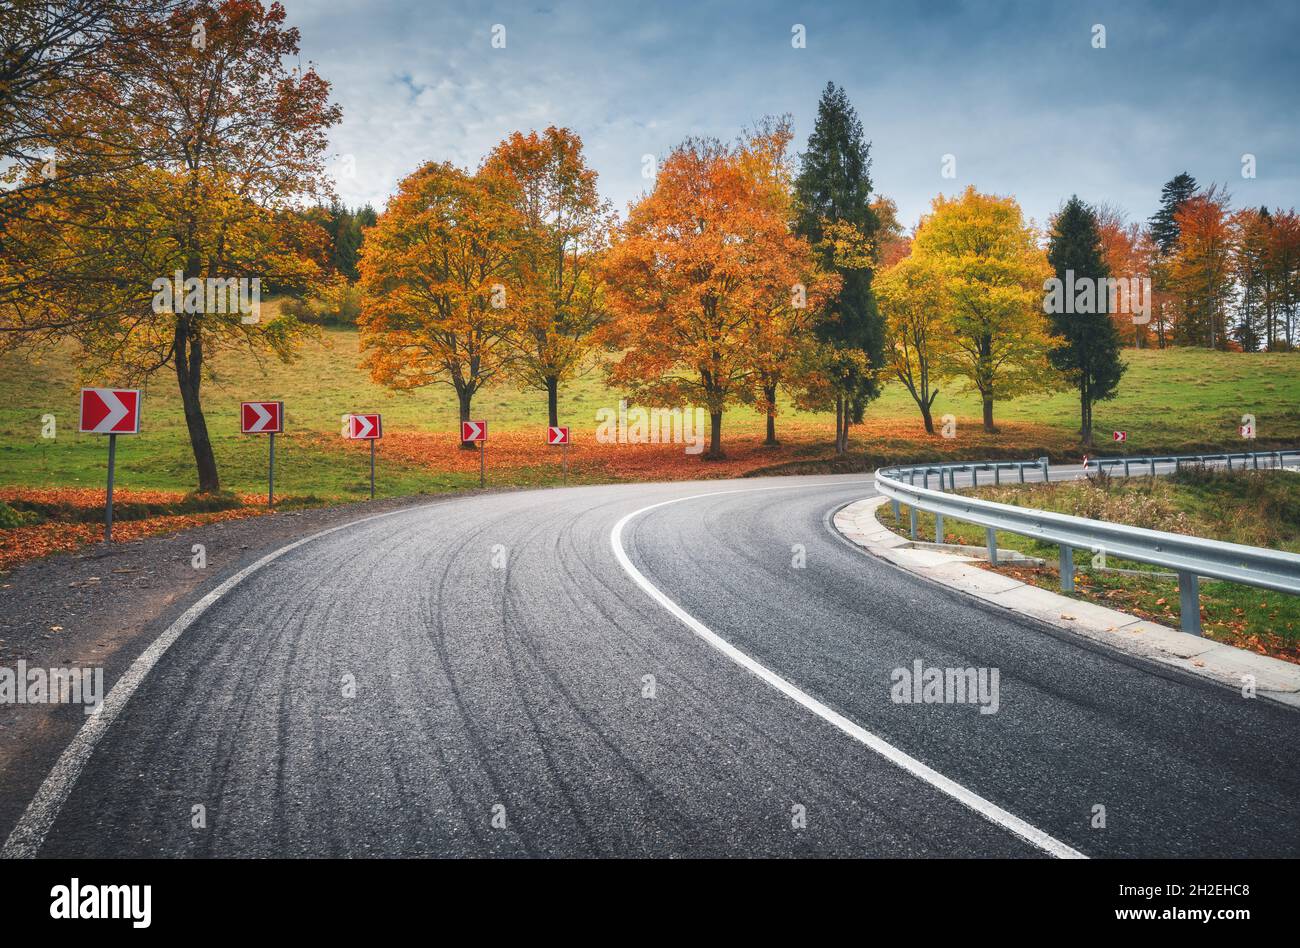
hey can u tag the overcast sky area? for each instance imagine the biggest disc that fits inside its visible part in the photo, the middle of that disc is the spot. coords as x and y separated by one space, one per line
1015 91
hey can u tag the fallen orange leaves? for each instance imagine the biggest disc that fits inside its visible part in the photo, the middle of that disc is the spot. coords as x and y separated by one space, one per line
517 450
19 544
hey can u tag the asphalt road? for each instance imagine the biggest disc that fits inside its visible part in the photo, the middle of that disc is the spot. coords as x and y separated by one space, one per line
499 654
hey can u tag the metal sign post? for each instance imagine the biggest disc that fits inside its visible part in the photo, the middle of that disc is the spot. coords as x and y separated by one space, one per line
471 431
108 505
368 427
110 411
264 418
558 434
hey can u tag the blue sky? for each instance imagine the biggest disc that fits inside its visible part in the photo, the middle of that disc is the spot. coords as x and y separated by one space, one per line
1015 91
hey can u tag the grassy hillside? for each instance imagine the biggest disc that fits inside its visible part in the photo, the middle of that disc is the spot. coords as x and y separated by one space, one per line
1170 399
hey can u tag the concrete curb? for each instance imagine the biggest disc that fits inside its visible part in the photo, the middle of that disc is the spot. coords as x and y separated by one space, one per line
1225 664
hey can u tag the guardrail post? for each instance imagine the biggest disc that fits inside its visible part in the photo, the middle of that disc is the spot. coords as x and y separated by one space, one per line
991 537
1153 467
1178 465
912 511
974 476
925 479
997 474
896 512
1189 602
1067 568
938 528
1045 463
1228 458
1255 459
1126 467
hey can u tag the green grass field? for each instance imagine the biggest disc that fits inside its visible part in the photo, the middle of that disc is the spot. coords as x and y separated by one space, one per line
1171 399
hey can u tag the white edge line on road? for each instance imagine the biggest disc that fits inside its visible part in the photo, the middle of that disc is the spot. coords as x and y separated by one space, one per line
28 834
985 808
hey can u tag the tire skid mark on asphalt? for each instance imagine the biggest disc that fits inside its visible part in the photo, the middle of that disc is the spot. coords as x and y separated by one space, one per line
437 633
544 675
28 834
280 613
401 701
517 596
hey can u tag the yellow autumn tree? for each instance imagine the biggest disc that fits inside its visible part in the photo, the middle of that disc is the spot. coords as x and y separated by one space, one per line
918 335
566 226
991 270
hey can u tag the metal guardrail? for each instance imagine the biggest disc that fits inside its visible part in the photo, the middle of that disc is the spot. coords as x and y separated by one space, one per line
1189 557
1250 458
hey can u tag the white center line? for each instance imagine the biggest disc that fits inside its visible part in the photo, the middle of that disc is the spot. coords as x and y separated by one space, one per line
985 808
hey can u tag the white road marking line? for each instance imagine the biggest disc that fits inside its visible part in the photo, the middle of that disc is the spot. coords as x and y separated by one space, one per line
985 808
29 832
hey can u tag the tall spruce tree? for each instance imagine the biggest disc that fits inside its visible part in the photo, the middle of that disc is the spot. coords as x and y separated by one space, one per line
1087 344
1163 223
1163 228
833 208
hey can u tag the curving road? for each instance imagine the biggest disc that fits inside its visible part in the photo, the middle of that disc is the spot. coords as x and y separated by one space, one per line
499 653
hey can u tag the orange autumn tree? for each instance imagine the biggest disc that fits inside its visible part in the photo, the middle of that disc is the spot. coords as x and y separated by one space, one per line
1126 256
1202 268
439 302
184 143
565 227
789 290
693 276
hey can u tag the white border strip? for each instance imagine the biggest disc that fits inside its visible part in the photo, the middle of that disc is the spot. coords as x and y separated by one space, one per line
990 811
28 835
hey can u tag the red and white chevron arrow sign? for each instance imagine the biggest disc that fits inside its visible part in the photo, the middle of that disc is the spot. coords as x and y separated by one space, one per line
556 435
261 417
473 431
365 427
110 411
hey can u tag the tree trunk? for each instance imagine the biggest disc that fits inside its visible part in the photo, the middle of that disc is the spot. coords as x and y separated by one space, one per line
464 395
553 400
839 425
769 393
715 436
988 415
928 418
188 356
